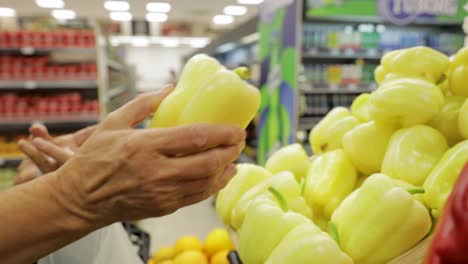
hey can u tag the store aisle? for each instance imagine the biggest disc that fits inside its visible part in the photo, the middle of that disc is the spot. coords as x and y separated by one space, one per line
197 220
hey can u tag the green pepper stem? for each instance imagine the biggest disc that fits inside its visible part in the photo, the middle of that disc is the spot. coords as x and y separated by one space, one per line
282 201
243 72
334 232
416 190
303 185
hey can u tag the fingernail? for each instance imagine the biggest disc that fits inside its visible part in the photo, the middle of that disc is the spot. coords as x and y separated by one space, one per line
21 142
38 142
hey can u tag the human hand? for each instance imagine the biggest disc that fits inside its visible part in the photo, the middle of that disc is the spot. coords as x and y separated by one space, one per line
120 173
48 153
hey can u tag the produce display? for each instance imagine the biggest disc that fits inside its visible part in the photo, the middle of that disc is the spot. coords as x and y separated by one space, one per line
379 178
207 92
47 39
190 250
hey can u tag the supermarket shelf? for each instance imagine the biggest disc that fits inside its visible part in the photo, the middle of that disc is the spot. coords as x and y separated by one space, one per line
116 91
16 125
337 89
341 56
85 84
115 65
378 20
33 50
10 161
307 123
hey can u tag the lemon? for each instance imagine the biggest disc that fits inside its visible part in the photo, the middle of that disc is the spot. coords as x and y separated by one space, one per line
220 258
187 243
164 253
191 257
218 240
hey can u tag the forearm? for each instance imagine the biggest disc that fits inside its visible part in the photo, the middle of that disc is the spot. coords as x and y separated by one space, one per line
34 223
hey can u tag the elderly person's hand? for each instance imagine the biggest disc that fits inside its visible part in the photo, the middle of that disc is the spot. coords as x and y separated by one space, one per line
120 173
51 152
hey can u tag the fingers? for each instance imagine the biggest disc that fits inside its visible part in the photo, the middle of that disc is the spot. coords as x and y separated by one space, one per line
61 155
207 191
44 163
136 110
39 130
195 138
80 136
207 163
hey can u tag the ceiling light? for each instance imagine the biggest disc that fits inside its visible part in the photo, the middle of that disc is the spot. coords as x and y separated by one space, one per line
50 3
140 42
235 10
170 42
7 12
199 42
156 17
158 7
63 14
250 2
120 16
223 19
117 5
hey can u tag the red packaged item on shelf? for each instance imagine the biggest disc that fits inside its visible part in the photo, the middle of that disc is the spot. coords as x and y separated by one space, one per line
450 241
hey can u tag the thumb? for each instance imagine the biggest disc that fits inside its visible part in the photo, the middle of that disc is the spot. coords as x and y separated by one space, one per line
136 110
80 136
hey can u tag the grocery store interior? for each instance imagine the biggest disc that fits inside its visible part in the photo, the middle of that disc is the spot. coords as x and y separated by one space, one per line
66 64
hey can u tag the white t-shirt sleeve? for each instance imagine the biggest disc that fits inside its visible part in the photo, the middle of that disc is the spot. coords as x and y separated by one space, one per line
107 245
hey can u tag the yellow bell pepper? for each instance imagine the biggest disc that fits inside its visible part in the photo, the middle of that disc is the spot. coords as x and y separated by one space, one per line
446 121
458 75
331 178
441 179
360 107
247 176
306 243
208 93
366 144
285 183
379 221
265 225
463 120
327 134
291 158
406 102
413 152
380 73
418 62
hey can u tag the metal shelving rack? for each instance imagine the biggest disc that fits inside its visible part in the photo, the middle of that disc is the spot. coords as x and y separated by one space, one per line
106 89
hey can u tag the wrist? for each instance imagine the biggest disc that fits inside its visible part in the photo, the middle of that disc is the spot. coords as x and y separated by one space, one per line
80 214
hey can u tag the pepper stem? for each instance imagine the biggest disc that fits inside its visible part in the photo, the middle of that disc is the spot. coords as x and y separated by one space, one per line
281 200
303 185
334 232
243 72
416 190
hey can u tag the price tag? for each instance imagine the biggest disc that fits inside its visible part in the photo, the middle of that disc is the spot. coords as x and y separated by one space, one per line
27 50
2 162
333 87
30 85
349 52
334 52
372 52
352 87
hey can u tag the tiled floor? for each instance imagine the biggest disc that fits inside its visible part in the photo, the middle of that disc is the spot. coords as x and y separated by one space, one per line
197 220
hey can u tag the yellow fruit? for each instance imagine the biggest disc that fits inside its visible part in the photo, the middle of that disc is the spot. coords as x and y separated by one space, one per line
165 262
220 258
366 144
187 243
406 102
191 257
150 261
446 121
163 253
327 134
218 240
360 107
457 81
413 152
291 158
380 73
463 120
